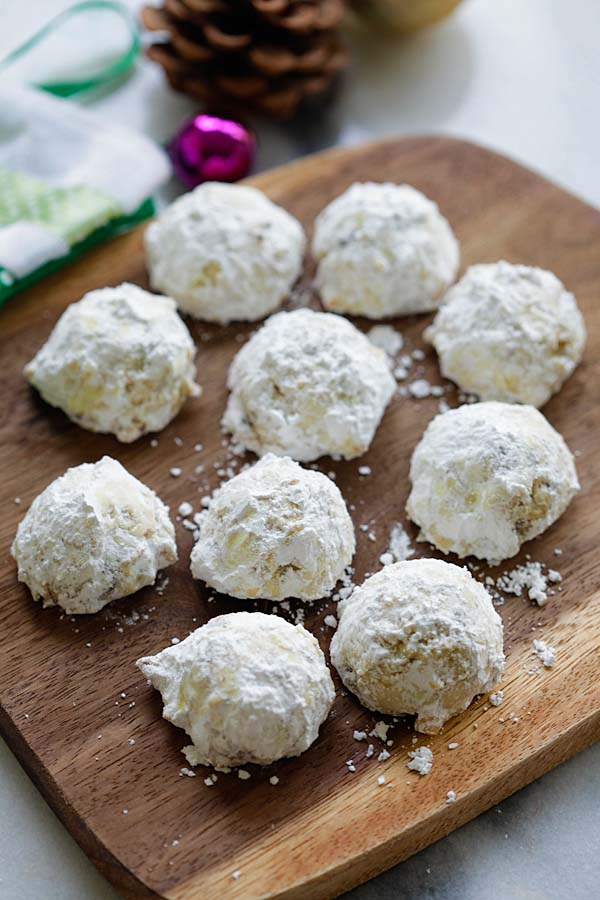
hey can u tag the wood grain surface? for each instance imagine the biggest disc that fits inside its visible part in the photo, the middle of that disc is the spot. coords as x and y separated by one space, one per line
71 697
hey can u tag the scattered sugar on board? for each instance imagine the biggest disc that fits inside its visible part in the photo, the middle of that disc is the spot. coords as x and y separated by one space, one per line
421 388
546 654
451 797
421 760
347 585
380 730
496 698
161 583
400 547
402 369
386 338
533 578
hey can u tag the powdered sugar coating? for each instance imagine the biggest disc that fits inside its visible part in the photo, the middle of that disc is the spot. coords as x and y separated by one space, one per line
487 477
508 332
119 361
420 637
306 385
383 250
93 535
246 687
225 252
275 531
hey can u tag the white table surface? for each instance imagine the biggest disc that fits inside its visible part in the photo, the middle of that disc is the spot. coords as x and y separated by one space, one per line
521 76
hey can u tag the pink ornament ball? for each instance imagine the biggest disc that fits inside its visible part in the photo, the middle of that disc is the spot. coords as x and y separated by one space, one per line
208 148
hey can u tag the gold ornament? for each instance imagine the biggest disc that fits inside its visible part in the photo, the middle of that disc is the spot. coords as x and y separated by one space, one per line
404 15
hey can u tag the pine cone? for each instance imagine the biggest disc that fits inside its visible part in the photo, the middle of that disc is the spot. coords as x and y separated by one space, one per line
260 55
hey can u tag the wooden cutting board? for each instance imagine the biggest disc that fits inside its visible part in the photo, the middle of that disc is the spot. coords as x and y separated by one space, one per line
72 699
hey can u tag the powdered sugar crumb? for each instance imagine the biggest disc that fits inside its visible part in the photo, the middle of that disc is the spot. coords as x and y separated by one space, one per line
545 653
421 760
400 547
386 338
533 578
380 730
421 388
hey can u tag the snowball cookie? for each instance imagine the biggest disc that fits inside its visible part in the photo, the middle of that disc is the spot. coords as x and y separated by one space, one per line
95 534
246 687
508 332
119 361
383 250
306 385
225 252
420 637
275 531
487 477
